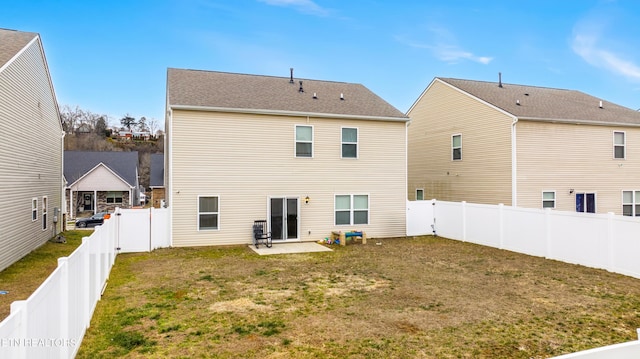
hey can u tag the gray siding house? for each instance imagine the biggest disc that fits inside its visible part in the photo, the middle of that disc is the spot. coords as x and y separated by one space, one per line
100 181
30 158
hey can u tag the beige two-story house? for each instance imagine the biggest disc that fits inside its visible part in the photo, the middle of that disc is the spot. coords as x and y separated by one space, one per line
309 156
30 150
526 146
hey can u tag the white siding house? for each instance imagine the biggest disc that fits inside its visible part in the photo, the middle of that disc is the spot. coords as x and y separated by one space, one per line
31 157
310 157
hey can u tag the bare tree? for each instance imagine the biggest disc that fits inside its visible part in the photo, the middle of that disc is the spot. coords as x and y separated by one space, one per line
153 126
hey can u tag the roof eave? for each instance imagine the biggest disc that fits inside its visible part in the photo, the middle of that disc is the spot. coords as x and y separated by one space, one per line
286 113
578 121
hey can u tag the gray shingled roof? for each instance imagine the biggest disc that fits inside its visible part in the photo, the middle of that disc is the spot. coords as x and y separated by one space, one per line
210 89
156 178
541 103
78 163
11 42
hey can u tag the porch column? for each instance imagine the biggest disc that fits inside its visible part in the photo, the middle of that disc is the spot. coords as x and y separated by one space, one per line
95 202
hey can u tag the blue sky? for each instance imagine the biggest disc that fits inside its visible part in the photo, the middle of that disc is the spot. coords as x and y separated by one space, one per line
111 57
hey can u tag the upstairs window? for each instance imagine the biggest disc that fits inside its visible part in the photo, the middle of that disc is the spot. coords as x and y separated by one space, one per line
419 194
619 143
304 141
631 203
456 147
548 199
349 142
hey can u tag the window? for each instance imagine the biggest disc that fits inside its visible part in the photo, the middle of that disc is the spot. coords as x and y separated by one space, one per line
619 145
114 197
586 202
456 147
631 203
304 141
351 209
419 194
349 142
548 199
34 209
208 212
44 213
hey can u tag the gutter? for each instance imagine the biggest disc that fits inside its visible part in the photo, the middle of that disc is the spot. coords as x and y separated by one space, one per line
287 113
580 122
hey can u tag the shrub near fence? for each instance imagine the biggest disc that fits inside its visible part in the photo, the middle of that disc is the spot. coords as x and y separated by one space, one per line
52 321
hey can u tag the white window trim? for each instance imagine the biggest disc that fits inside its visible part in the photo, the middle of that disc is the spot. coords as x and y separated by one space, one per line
634 201
555 197
295 141
114 197
453 148
351 209
198 213
45 204
357 143
34 209
623 145
419 189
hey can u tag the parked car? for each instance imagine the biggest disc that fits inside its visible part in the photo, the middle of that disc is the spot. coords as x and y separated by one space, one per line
95 220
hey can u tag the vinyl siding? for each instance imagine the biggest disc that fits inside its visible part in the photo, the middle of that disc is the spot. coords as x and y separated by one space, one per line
484 173
246 159
101 179
559 157
30 154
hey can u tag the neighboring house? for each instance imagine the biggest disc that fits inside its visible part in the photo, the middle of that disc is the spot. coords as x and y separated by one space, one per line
156 180
100 181
31 158
526 146
308 156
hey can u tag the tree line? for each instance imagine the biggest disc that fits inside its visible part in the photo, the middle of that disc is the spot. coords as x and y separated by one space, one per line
78 120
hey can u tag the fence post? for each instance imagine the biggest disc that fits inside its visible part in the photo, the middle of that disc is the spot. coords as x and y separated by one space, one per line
63 264
86 281
501 224
464 220
610 238
547 232
21 308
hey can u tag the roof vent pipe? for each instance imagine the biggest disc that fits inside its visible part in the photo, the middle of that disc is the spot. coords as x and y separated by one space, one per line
499 79
291 80
600 105
315 96
300 89
342 96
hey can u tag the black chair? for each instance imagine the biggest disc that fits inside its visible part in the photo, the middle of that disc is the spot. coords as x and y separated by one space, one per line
260 233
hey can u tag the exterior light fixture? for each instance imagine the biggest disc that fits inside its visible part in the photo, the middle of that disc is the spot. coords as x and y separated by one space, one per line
306 199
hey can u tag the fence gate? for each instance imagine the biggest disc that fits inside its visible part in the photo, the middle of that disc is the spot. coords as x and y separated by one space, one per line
141 230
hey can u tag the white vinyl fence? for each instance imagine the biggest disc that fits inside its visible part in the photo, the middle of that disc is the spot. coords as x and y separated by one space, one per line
52 321
604 241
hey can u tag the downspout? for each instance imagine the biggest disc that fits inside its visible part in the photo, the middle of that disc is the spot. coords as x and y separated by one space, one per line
514 164
63 191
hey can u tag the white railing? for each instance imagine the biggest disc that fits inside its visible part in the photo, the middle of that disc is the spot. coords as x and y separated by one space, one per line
52 321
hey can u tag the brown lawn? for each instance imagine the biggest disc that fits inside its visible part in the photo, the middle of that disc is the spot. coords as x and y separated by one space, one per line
405 298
